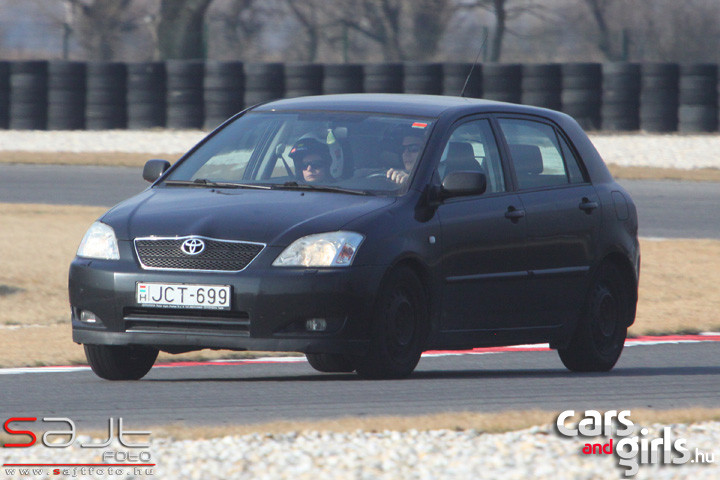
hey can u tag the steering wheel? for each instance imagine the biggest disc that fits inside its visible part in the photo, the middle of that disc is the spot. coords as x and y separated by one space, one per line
377 175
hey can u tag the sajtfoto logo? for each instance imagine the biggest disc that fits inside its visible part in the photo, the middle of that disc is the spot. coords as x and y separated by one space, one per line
134 455
620 438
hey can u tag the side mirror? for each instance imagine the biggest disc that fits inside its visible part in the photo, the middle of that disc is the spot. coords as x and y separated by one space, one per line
459 184
154 169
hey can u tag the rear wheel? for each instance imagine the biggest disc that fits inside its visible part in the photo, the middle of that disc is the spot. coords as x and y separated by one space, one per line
399 328
120 362
600 334
330 362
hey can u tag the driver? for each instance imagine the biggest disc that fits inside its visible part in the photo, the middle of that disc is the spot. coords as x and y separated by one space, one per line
313 159
412 142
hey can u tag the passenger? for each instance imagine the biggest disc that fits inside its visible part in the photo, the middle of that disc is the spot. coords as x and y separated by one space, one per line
412 142
313 159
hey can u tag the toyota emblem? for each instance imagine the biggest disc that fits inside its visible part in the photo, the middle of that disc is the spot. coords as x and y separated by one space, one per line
193 246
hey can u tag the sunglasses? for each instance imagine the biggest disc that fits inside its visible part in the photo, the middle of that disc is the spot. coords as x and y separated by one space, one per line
314 165
412 148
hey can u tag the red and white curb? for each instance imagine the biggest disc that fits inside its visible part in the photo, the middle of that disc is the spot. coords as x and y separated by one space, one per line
631 342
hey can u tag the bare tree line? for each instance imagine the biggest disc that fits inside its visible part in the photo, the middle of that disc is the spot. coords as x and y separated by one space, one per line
386 30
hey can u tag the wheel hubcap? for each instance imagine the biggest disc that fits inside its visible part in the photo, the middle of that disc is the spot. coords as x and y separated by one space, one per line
607 315
401 325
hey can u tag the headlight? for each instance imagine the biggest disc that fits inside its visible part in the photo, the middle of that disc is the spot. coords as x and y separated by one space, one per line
99 242
332 249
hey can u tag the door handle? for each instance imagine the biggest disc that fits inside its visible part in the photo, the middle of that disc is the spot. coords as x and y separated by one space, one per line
514 214
587 206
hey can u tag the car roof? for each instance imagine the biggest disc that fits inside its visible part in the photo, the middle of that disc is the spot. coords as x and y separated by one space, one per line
401 104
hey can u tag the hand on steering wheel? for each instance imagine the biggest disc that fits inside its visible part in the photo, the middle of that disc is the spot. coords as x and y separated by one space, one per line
397 175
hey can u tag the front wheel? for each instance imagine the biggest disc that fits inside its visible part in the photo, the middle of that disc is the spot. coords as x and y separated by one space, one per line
120 362
600 335
399 330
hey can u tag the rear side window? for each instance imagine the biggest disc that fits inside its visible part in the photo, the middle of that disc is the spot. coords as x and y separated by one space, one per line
540 157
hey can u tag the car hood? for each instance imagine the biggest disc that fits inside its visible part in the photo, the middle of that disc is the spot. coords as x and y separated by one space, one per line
264 216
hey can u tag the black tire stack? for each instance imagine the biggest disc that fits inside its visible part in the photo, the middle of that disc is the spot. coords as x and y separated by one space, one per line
502 82
423 78
383 78
4 95
28 95
456 74
698 110
343 78
542 86
146 104
66 95
302 79
263 82
185 94
621 96
106 106
659 94
224 88
582 93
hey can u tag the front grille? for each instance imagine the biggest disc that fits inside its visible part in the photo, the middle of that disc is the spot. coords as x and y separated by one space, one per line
157 253
170 320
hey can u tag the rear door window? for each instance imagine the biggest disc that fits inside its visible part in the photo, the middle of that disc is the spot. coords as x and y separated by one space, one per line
540 158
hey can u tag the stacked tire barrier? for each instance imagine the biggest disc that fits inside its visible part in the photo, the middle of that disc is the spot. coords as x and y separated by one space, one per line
621 96
66 95
455 77
502 82
224 87
657 97
659 94
303 79
28 95
106 106
582 93
698 110
264 82
342 78
383 78
146 95
185 94
542 86
423 78
4 94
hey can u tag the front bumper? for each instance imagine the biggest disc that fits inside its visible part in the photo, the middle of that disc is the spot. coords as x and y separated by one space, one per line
269 309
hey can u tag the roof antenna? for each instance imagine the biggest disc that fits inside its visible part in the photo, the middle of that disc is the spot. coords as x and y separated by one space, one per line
472 69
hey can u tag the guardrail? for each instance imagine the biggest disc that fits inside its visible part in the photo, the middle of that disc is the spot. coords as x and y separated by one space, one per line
60 95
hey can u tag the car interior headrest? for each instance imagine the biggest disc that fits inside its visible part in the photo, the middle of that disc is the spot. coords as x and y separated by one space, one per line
461 156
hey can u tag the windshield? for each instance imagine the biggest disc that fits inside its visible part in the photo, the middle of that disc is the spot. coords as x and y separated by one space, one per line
367 153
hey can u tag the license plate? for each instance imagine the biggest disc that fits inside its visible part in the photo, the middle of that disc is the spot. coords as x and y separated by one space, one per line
181 295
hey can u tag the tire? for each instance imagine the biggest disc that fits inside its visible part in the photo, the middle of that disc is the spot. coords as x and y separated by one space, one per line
330 362
399 330
600 335
113 362
423 78
342 78
383 78
455 75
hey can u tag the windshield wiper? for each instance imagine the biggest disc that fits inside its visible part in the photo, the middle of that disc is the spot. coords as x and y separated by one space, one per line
318 188
204 182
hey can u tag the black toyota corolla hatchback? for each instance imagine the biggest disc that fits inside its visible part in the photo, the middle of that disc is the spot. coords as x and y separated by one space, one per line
362 230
